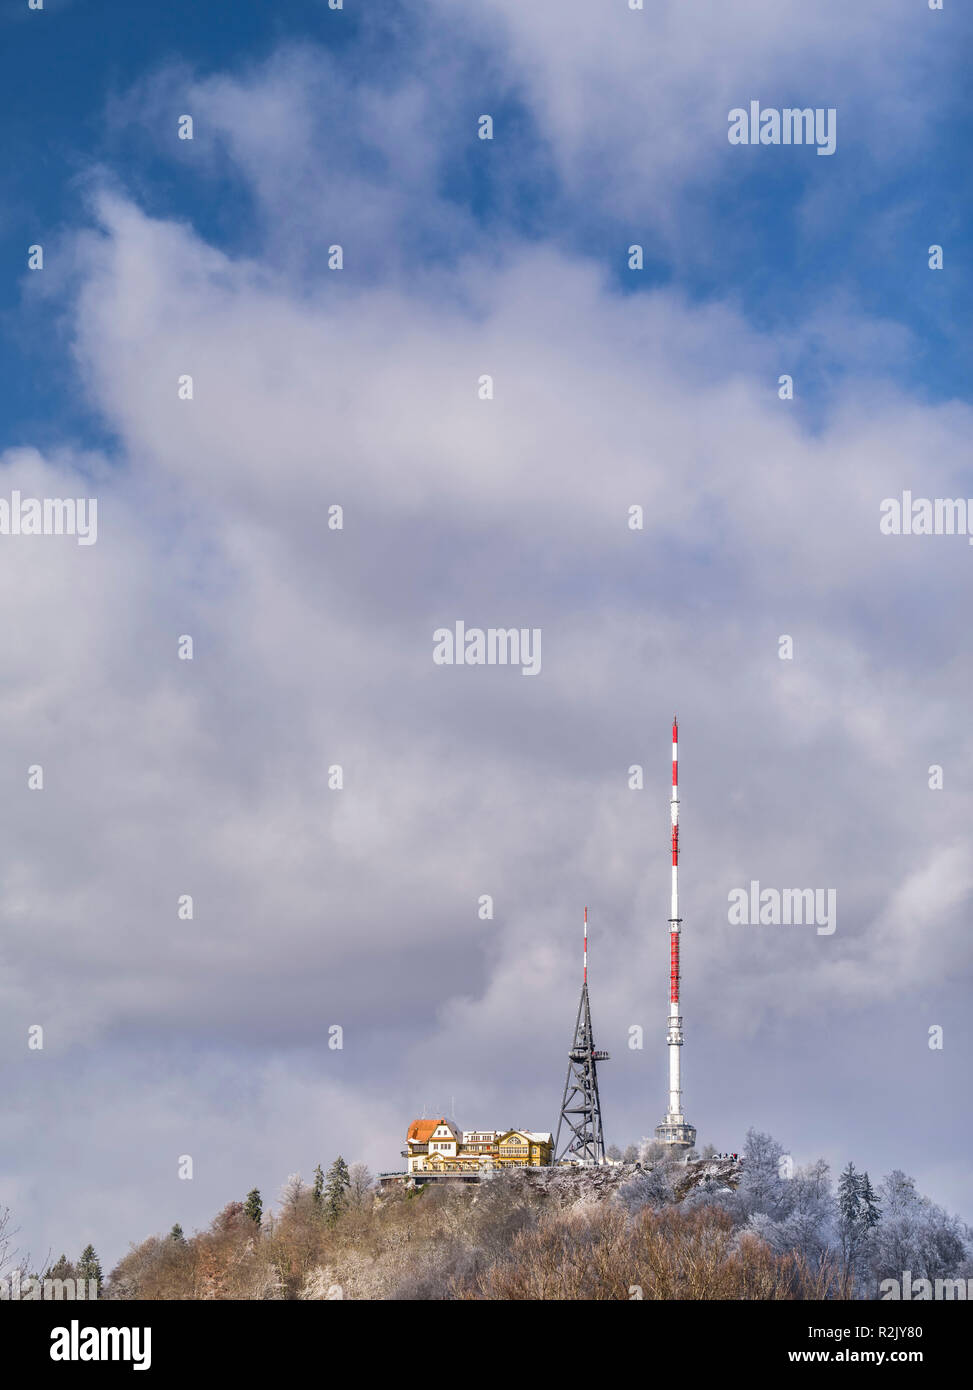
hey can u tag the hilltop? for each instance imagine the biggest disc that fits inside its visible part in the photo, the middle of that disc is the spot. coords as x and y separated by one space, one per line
755 1227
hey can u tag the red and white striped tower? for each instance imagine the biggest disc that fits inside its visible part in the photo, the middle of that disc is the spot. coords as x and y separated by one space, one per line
674 1129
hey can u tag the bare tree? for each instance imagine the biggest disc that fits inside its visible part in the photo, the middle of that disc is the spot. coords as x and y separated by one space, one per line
10 1257
360 1183
7 1233
291 1192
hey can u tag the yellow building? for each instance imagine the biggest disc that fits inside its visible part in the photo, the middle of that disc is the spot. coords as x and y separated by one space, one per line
438 1147
525 1147
430 1143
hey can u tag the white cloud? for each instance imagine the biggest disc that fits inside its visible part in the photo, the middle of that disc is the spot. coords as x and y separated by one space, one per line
314 647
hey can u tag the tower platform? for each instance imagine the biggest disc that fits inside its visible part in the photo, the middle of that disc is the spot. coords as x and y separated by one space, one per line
676 1132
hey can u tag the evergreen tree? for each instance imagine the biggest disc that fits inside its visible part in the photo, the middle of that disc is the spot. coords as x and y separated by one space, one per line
176 1234
317 1191
870 1211
849 1214
336 1186
253 1206
89 1267
849 1195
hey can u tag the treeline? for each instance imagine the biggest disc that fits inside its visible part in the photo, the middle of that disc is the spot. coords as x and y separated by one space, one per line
862 1232
781 1233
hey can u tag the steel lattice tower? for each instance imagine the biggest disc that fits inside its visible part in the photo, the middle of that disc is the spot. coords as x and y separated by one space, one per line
584 1139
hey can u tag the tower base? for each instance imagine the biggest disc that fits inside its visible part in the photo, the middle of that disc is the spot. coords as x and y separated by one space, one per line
675 1132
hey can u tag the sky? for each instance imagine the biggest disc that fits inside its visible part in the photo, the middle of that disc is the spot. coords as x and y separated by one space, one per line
358 908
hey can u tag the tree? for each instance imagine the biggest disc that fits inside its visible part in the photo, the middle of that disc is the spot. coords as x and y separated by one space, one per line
631 1154
253 1206
763 1188
317 1191
849 1216
652 1188
651 1151
914 1233
614 1153
89 1266
808 1228
177 1235
336 1186
359 1183
898 1192
870 1210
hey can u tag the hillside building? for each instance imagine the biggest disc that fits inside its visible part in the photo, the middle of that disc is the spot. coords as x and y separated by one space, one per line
438 1147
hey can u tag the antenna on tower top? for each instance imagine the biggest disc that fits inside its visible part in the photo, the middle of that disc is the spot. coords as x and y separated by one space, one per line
584 1140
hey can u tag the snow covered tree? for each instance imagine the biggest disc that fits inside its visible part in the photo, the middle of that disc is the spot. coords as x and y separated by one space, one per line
655 1187
913 1233
762 1187
317 1191
849 1216
809 1225
898 1192
631 1154
870 1211
614 1153
176 1234
651 1151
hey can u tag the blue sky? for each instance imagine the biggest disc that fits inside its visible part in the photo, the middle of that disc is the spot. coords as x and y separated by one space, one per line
740 234
613 388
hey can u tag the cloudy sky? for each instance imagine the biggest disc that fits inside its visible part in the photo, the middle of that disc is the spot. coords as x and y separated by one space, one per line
613 388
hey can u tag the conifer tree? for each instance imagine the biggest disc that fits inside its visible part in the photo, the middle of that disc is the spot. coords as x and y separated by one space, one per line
253 1206
870 1211
849 1195
336 1186
849 1214
317 1191
89 1266
176 1234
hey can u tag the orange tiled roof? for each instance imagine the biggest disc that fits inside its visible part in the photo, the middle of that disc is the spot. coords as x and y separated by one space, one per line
422 1130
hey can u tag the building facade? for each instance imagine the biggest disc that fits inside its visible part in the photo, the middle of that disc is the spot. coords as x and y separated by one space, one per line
438 1148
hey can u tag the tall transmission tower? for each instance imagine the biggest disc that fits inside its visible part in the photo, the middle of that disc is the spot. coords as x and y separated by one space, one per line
584 1139
675 1130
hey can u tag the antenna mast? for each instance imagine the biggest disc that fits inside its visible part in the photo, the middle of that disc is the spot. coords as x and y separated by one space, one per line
584 1139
